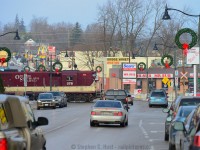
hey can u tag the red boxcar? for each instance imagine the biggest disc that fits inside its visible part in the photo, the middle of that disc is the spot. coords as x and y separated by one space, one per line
78 85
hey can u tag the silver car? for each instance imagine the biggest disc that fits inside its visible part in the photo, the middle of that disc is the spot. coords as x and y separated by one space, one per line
109 112
46 100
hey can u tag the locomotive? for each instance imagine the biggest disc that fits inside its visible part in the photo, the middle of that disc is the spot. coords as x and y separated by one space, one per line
77 85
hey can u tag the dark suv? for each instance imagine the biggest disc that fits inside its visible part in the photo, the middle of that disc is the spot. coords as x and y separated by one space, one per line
158 97
18 128
117 94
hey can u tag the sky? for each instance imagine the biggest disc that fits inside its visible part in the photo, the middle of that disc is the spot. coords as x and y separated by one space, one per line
70 11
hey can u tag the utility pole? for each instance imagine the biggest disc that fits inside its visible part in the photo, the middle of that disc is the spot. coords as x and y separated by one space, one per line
51 74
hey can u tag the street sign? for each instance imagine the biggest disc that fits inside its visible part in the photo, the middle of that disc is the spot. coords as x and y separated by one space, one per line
176 81
165 80
25 80
176 73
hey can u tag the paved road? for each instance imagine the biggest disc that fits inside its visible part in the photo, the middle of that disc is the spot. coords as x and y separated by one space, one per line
69 129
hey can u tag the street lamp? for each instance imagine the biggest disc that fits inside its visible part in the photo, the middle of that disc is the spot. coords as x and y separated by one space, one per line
167 17
175 65
16 34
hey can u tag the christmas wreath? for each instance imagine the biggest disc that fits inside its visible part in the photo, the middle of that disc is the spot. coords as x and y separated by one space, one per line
57 65
27 68
167 64
141 66
41 67
8 53
186 30
98 69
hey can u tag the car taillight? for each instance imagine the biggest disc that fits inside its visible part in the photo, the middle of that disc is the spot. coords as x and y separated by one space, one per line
196 141
93 113
3 144
126 99
148 99
118 113
174 114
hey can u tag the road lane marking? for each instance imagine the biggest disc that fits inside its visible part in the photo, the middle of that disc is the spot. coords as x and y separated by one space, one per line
143 130
157 131
153 123
59 127
151 140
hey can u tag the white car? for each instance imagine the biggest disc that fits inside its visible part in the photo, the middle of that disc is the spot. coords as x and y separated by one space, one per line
109 112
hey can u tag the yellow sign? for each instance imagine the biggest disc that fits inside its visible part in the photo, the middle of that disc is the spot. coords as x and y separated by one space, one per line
42 51
165 80
169 83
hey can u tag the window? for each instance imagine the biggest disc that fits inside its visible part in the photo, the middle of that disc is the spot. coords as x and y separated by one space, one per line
69 78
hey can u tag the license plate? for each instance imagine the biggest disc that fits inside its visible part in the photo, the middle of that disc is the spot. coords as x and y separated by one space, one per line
46 104
106 113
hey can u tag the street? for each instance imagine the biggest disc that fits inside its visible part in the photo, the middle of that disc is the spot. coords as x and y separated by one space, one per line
69 129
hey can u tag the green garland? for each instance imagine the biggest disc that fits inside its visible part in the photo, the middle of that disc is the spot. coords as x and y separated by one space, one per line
41 66
98 69
186 30
141 63
26 68
168 57
57 63
7 51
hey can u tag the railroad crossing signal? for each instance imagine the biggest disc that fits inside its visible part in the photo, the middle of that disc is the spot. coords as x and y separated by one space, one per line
184 75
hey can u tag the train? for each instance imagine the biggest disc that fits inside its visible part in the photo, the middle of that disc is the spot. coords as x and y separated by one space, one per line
77 85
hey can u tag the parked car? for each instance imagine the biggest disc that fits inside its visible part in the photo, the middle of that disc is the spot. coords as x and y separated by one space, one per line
18 128
59 99
191 131
46 100
181 115
109 112
158 98
167 122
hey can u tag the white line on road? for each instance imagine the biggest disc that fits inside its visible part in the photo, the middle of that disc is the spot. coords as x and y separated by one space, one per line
59 127
153 123
157 131
151 140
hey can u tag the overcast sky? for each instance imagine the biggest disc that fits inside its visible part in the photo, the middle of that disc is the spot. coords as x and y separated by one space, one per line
70 11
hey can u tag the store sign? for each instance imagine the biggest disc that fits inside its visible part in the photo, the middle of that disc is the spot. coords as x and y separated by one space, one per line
129 81
129 74
129 67
193 56
154 75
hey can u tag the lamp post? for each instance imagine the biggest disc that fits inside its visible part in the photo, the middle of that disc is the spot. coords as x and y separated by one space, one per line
51 73
167 17
16 34
175 65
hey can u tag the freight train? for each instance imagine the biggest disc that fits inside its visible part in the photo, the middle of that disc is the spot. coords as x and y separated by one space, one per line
77 85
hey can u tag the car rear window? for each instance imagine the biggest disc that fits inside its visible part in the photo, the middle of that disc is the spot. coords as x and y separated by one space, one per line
56 93
117 92
189 101
158 94
45 96
108 104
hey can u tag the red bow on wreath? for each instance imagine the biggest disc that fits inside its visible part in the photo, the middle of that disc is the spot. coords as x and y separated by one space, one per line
185 47
141 68
2 61
167 64
57 71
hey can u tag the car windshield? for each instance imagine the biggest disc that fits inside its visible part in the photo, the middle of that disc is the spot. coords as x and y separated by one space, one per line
117 92
55 93
158 94
108 104
185 111
45 96
189 101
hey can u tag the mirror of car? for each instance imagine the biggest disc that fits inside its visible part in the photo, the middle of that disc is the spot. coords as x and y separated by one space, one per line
169 119
165 110
179 126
